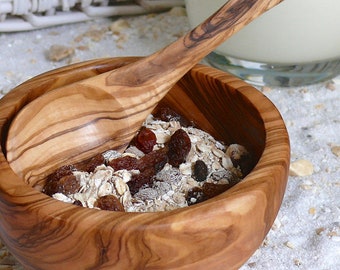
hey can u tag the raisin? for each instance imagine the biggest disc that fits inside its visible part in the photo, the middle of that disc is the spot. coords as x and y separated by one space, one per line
195 195
90 165
145 140
109 202
155 159
148 165
124 162
61 172
166 114
200 171
52 184
78 203
68 184
179 147
240 158
143 179
211 190
208 190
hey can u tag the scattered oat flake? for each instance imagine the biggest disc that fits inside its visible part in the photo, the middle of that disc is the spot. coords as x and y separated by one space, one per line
54 33
277 224
336 150
95 35
304 90
306 187
320 106
59 52
331 86
266 89
289 245
301 167
332 234
265 242
312 211
82 48
297 262
118 26
252 264
320 230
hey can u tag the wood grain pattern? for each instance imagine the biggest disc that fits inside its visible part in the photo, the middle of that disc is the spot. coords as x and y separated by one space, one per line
220 233
109 108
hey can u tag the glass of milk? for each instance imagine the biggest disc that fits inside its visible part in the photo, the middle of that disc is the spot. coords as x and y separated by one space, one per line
296 43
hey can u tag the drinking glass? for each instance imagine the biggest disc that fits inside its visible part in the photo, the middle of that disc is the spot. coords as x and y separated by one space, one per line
295 43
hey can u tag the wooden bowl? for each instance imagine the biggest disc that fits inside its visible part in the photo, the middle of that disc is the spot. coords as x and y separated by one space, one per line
221 233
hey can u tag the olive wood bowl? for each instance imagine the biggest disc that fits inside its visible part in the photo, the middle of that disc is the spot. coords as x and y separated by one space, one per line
220 233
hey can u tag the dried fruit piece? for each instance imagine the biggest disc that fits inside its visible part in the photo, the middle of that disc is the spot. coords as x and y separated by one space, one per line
166 114
148 165
155 159
145 140
208 190
52 184
90 165
143 179
109 202
240 158
211 190
195 195
78 203
179 147
200 172
67 185
124 162
61 172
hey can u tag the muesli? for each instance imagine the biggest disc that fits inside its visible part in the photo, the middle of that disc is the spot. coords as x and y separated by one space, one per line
170 164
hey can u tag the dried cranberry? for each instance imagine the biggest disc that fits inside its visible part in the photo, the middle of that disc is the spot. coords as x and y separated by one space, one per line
109 202
145 140
124 162
179 147
200 171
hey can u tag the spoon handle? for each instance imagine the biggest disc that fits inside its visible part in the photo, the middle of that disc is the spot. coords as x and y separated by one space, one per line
165 67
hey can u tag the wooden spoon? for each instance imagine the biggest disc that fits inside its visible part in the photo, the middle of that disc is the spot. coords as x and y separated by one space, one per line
77 121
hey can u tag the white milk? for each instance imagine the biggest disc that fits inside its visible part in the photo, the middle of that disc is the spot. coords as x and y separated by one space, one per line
296 31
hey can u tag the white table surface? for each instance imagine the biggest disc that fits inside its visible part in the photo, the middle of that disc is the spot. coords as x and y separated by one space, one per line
306 233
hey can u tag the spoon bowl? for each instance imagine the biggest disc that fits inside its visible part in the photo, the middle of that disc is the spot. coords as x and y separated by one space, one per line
113 105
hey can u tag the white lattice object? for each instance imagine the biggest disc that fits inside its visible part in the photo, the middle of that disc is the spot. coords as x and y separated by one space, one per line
24 15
